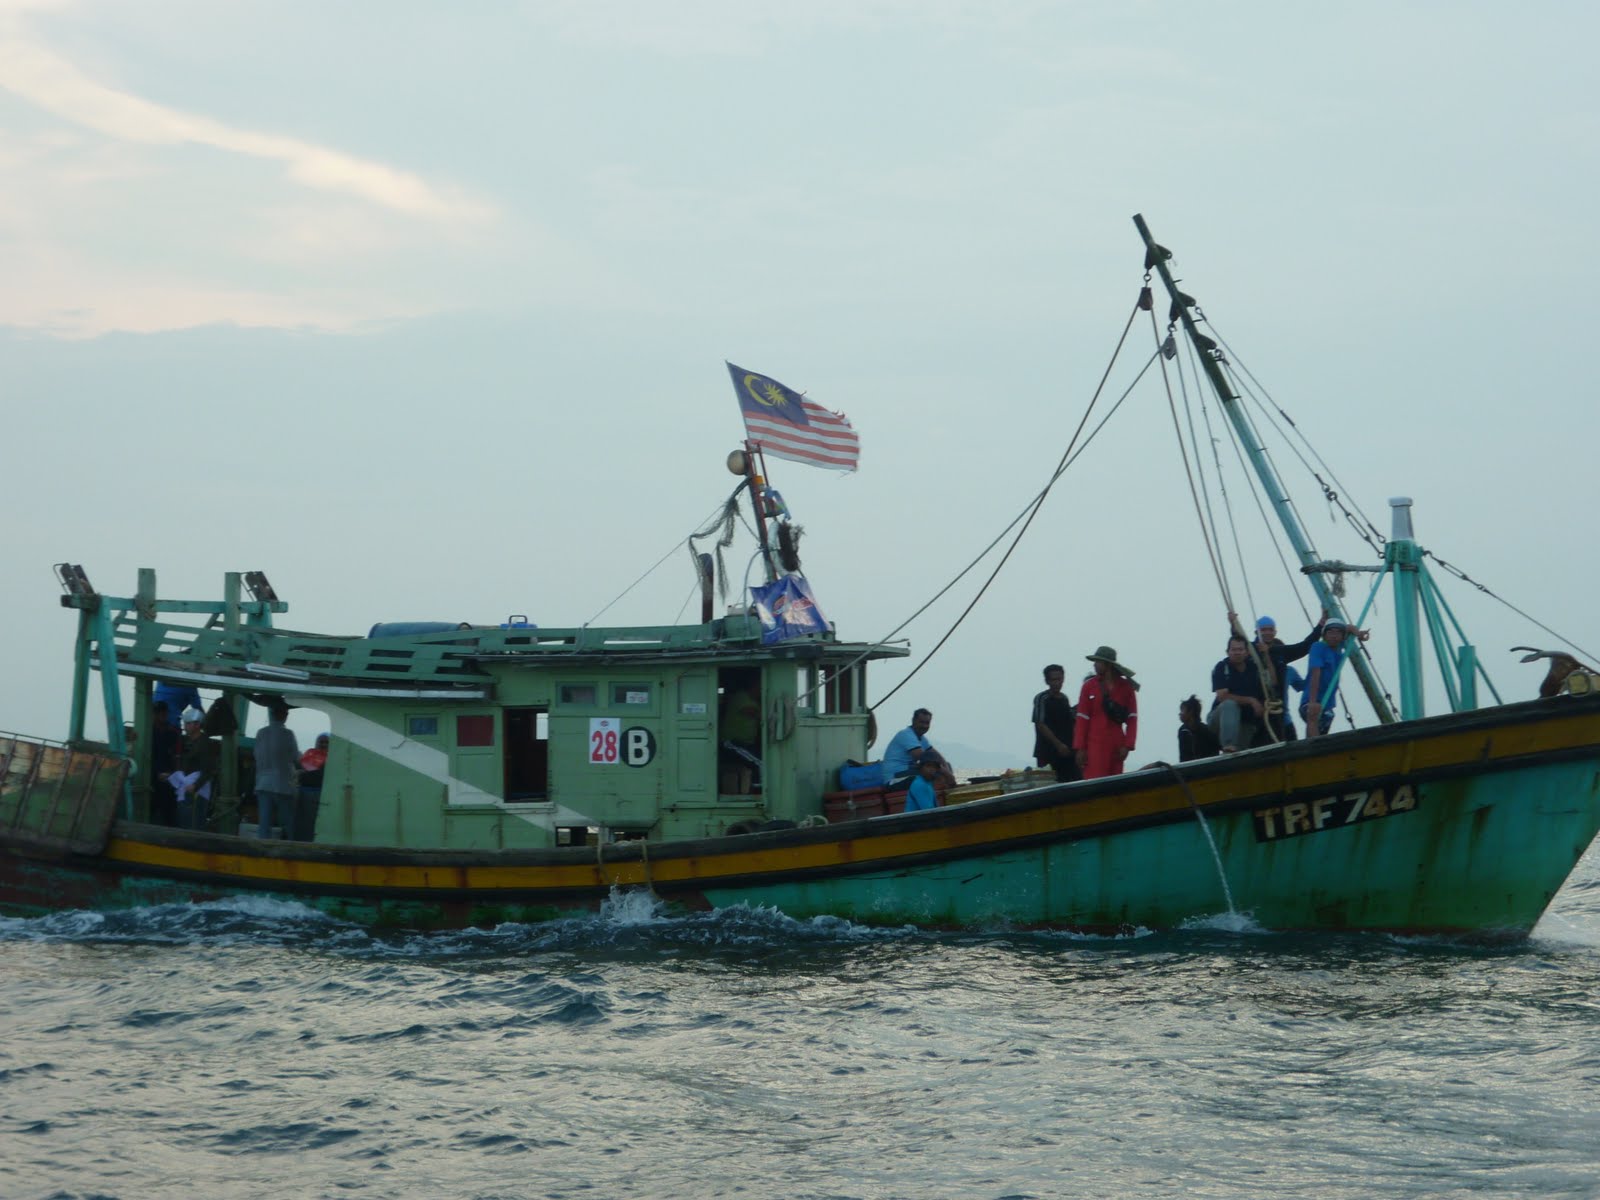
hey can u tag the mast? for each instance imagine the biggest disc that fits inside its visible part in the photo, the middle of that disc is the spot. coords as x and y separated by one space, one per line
1155 259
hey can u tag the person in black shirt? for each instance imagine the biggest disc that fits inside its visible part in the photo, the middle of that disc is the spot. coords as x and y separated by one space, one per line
1239 709
1274 657
1053 718
1195 739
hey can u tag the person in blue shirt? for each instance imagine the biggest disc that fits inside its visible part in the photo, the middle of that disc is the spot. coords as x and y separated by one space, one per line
921 794
906 747
178 697
1322 666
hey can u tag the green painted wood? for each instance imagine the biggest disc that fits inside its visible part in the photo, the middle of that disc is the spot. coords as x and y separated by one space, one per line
1482 855
57 799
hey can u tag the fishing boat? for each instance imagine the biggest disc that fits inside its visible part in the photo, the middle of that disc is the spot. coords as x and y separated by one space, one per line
486 773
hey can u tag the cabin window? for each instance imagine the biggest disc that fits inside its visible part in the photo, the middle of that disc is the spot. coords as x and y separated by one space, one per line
475 731
831 690
630 694
582 694
835 690
419 727
527 755
805 680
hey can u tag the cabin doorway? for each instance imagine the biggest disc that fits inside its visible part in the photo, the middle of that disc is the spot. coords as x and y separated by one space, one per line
740 746
527 755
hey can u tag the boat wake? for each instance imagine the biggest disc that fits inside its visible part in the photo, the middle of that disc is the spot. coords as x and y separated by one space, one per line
628 920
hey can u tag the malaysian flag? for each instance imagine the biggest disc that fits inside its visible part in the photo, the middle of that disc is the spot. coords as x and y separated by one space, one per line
787 425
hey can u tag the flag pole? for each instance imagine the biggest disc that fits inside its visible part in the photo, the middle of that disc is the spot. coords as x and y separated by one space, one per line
755 478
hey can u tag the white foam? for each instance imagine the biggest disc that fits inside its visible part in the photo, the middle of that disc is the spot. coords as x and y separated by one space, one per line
1226 922
267 907
636 906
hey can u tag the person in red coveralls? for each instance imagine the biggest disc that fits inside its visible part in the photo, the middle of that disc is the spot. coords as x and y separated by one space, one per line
1108 714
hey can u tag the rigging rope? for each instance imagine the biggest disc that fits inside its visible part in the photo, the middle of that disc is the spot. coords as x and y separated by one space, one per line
1222 485
1255 492
1068 457
1465 578
1365 528
1332 496
1200 463
1260 658
1194 495
711 523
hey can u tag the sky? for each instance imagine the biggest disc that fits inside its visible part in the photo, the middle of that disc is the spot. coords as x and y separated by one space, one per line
422 310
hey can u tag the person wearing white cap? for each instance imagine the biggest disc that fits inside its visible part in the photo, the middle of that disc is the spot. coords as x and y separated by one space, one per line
1322 670
201 758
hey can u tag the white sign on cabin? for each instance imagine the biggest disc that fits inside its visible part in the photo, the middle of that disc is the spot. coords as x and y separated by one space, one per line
604 737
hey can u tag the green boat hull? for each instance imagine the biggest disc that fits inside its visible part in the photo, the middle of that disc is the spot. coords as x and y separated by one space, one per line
1466 824
1481 855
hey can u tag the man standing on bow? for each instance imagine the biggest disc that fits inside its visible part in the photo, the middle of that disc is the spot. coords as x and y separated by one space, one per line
1273 658
1108 714
1055 726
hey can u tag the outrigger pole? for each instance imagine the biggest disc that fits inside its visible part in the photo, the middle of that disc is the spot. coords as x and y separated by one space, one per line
1155 259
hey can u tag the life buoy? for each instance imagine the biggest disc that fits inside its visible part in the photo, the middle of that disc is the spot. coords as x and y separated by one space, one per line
872 729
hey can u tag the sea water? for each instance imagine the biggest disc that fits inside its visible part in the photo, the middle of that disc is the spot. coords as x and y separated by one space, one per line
261 1050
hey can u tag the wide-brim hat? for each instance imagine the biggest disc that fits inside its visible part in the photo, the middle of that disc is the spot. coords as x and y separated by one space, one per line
1109 656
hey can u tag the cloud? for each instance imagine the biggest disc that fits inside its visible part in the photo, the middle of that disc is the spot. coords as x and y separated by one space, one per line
121 214
58 87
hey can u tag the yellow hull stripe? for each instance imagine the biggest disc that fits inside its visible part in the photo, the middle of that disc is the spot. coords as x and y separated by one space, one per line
1162 797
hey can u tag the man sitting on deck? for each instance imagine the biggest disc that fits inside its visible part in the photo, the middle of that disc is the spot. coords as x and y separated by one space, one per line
906 748
1273 657
1239 710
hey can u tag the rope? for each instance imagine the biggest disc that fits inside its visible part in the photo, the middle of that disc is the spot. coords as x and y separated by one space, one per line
1465 578
1222 486
644 857
1199 459
687 600
1272 688
1068 457
1227 892
1272 530
1194 495
1328 492
715 519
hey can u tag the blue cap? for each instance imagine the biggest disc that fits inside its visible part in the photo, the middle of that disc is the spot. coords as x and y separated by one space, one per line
1265 622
